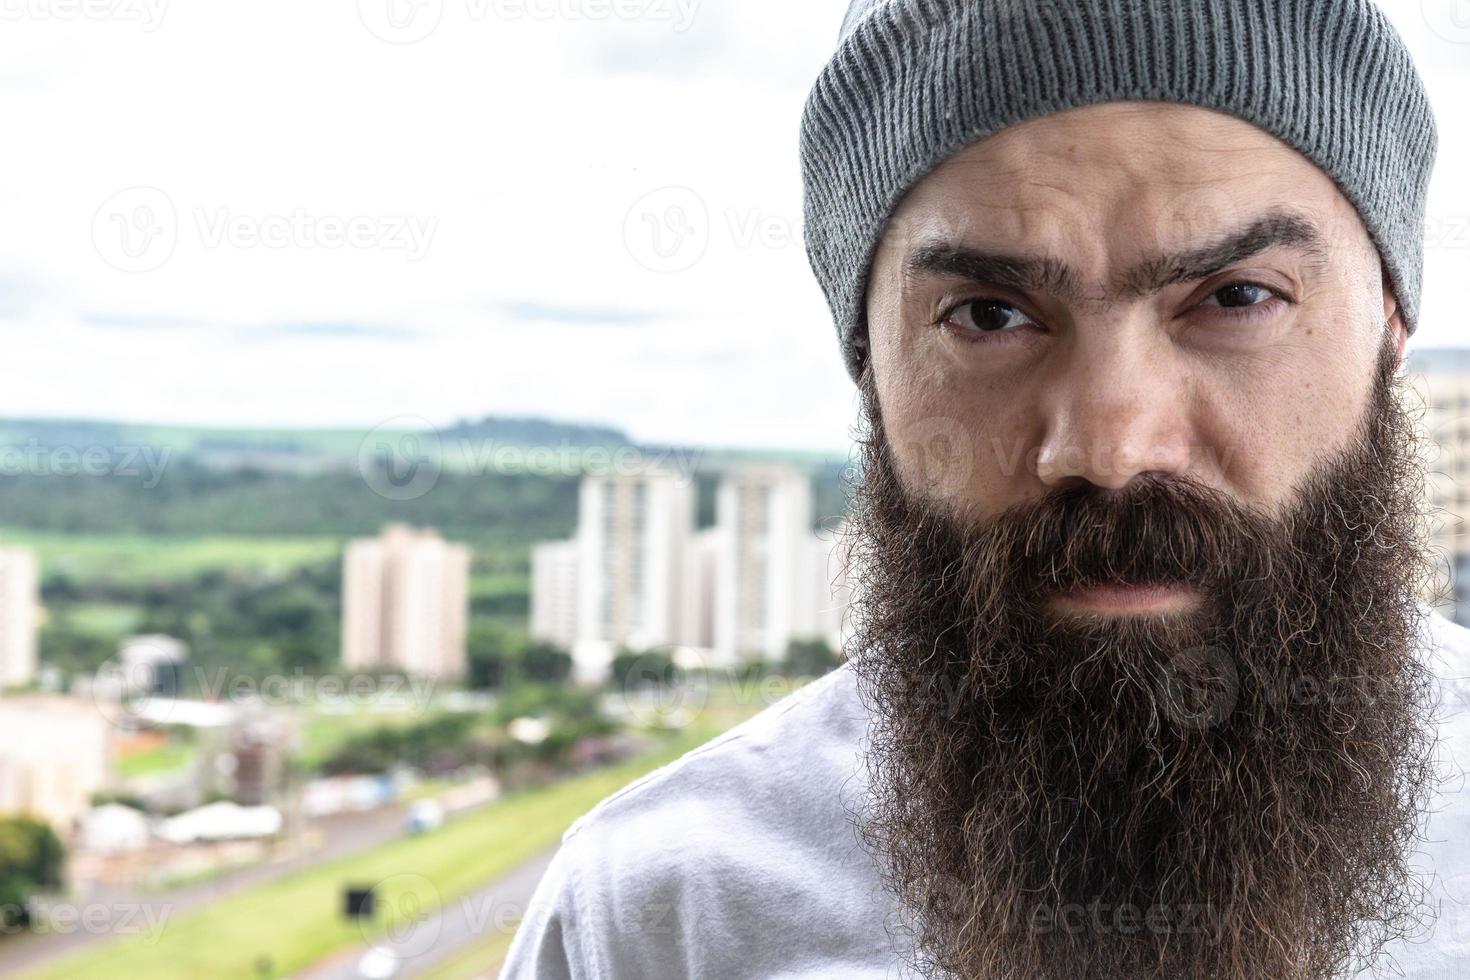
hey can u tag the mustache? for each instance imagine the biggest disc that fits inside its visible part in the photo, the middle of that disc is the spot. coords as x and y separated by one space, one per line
1159 530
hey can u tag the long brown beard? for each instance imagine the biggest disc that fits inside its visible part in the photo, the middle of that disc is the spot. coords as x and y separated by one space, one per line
1228 793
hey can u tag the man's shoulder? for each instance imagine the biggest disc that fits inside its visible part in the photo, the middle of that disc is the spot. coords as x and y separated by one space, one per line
1451 665
1453 638
808 742
738 859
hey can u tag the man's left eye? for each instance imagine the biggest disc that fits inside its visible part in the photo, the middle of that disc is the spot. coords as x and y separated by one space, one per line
1239 295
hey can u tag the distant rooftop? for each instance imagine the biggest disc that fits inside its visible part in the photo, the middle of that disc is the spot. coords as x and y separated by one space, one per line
1440 360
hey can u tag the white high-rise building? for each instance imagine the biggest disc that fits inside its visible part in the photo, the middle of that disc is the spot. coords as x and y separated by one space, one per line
701 598
633 539
764 593
645 579
554 567
20 602
1442 378
54 754
405 603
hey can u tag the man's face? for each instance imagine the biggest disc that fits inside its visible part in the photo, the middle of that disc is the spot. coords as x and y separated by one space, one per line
1123 289
1136 569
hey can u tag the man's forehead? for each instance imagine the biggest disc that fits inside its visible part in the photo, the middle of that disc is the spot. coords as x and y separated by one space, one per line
1121 144
1138 216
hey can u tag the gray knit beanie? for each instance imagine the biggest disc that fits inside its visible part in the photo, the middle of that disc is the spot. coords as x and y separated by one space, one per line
915 81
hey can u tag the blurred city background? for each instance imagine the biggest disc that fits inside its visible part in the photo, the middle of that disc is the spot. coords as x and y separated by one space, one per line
421 423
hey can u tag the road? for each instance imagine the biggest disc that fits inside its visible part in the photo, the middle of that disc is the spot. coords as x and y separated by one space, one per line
342 835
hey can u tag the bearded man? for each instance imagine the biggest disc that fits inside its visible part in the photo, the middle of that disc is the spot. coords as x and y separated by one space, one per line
1141 684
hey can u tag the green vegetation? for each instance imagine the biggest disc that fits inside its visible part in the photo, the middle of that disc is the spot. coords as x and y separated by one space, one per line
30 862
323 734
236 623
297 920
71 560
441 744
170 757
502 656
194 500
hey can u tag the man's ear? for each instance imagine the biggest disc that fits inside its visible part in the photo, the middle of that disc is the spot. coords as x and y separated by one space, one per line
1395 319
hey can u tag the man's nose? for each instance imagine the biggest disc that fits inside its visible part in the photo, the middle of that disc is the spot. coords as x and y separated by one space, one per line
1114 409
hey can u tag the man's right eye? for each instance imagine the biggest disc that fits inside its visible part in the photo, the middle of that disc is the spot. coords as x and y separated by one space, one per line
985 316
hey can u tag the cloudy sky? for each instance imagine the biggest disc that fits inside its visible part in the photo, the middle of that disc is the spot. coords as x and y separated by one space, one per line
289 213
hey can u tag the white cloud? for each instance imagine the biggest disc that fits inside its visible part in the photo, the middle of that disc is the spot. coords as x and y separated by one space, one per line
522 143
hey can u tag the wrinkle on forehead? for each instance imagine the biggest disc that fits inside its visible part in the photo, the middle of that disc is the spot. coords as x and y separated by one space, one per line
1149 179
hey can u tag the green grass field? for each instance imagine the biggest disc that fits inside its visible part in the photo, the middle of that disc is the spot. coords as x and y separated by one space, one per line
296 920
322 734
90 557
165 758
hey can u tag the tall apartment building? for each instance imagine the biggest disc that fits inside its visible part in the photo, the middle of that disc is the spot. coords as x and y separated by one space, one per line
1442 378
554 592
772 584
19 613
54 754
639 576
633 542
405 603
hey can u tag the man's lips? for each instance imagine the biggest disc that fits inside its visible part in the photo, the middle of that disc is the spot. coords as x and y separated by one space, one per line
1129 598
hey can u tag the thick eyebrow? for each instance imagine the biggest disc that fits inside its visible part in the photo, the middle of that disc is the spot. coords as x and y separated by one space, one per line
1046 274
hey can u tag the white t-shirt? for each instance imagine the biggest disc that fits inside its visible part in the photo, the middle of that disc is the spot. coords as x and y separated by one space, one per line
739 859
